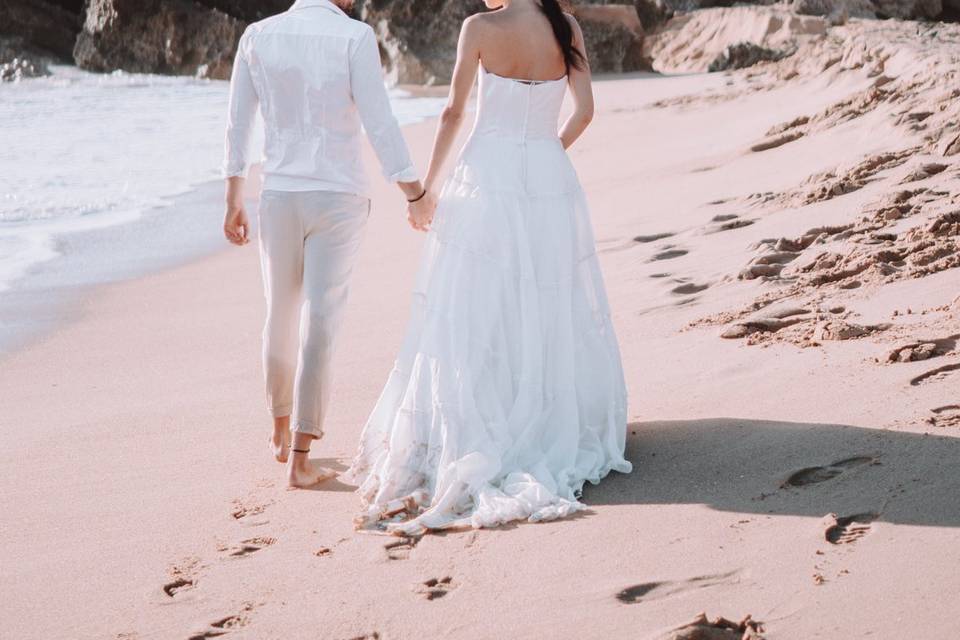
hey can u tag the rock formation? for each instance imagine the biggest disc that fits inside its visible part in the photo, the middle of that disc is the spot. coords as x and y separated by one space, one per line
652 13
691 41
39 24
744 54
836 10
900 9
614 37
18 61
248 10
158 36
419 37
909 9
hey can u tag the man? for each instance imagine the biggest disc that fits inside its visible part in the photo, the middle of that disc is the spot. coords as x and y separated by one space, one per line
315 75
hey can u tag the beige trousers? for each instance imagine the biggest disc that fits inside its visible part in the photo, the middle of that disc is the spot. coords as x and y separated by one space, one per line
308 245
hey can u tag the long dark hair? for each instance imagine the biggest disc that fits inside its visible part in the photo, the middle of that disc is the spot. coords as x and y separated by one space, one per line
572 56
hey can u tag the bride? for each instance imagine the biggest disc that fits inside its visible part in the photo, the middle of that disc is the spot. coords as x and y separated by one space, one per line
508 391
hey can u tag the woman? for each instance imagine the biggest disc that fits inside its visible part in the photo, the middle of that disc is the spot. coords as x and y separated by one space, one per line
508 393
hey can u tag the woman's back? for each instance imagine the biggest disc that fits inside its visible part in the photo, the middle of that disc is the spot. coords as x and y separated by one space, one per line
518 41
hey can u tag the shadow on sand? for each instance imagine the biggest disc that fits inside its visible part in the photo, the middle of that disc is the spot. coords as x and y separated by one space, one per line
786 468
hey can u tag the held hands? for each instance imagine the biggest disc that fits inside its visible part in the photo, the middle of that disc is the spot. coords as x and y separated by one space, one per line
420 213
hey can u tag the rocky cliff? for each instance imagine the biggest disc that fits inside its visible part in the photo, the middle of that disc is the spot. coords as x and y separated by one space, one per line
40 25
419 37
158 36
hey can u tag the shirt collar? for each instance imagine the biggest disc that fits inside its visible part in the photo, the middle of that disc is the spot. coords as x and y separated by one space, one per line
323 4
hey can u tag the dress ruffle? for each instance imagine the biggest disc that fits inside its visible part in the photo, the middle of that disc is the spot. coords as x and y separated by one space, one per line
508 392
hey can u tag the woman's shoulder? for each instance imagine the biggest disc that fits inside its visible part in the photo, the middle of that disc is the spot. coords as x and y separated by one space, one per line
481 19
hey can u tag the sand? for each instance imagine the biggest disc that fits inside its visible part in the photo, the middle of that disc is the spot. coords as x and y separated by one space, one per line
800 470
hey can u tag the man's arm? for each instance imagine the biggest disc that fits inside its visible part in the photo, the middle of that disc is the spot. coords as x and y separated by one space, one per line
240 120
373 103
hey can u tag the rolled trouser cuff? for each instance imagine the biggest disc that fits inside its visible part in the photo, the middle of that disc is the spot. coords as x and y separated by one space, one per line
307 427
281 411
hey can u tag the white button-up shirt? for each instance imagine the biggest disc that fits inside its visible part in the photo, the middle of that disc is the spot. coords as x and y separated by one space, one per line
315 74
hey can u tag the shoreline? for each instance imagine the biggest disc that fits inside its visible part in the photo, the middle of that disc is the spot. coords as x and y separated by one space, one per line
143 221
163 237
54 290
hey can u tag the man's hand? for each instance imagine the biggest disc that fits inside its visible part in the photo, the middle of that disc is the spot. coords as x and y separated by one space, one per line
420 213
236 226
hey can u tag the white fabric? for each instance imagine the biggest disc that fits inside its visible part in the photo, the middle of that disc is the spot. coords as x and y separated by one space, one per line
308 245
315 74
508 392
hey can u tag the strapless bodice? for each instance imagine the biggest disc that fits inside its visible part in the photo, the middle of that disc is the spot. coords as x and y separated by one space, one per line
518 109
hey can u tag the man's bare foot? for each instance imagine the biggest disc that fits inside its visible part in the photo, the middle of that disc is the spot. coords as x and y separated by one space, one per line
303 472
280 440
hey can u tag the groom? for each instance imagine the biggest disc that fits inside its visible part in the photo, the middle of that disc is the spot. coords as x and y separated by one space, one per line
315 75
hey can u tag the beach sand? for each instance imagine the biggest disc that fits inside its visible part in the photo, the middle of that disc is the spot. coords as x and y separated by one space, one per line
802 470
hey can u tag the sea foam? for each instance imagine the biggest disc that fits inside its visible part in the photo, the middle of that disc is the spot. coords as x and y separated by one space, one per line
83 150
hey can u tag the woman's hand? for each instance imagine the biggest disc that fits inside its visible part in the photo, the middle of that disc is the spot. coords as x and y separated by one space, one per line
420 213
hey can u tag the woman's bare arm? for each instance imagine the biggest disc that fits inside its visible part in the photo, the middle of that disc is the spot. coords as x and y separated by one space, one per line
464 75
582 89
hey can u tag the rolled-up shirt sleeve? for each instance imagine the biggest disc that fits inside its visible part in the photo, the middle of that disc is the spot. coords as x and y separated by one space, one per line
241 114
373 103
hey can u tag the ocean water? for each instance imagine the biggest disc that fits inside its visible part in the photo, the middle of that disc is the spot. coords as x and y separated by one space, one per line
83 152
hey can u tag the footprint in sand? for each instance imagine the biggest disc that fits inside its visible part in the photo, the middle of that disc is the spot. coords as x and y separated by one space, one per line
648 591
634 594
773 142
768 265
935 375
246 507
816 475
400 549
768 323
611 246
668 254
225 625
652 238
249 546
727 222
945 416
849 528
208 633
435 588
689 288
183 577
179 585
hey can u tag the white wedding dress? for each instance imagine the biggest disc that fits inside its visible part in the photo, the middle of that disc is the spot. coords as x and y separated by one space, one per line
508 392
